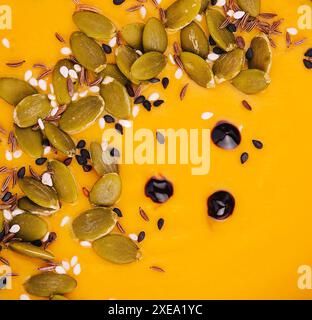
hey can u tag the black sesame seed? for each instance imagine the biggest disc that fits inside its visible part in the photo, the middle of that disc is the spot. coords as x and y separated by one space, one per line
109 119
218 50
81 144
87 168
258 144
308 53
165 82
154 80
107 49
85 154
115 153
147 105
213 2
21 173
244 157
119 128
211 41
41 161
139 100
231 27
160 223
307 64
46 142
226 136
81 160
68 161
118 2
130 90
37 243
118 212
249 54
141 236
159 190
158 103
7 197
160 137
220 205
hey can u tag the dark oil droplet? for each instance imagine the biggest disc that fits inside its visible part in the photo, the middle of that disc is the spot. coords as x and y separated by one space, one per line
226 136
159 190
220 205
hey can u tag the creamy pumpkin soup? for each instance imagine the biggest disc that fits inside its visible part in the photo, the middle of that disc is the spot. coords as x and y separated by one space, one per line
155 149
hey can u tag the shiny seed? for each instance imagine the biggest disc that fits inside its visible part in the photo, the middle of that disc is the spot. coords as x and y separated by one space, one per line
193 39
117 249
88 52
111 70
197 69
14 91
102 161
155 36
94 25
29 141
262 54
60 140
250 6
39 193
125 57
133 34
30 109
63 181
31 227
60 82
30 250
148 66
81 114
181 13
27 205
94 223
229 65
106 190
117 100
48 283
223 37
251 81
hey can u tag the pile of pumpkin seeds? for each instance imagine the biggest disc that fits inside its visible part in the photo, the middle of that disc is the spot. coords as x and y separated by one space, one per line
140 57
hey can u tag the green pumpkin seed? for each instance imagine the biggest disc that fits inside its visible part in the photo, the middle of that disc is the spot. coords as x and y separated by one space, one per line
204 5
27 205
29 141
39 193
94 25
117 100
262 54
13 91
229 65
80 115
63 181
30 109
155 36
88 52
133 34
47 284
117 249
60 140
197 69
251 81
102 161
31 227
250 6
94 223
223 37
148 66
111 70
125 57
60 83
31 251
58 297
106 190
1 221
181 13
193 39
